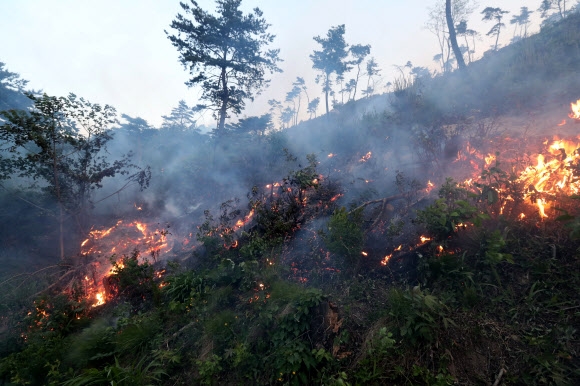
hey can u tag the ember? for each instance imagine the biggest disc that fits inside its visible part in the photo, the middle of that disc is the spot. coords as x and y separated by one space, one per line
366 157
241 222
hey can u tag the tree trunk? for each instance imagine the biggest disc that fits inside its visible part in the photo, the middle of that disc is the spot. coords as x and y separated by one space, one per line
224 106
58 197
326 89
356 83
453 36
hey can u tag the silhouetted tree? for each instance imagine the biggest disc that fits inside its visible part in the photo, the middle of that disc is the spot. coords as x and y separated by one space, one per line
548 5
182 118
437 24
495 14
225 54
331 59
291 97
462 30
453 36
12 90
522 20
313 107
359 53
254 126
372 70
286 117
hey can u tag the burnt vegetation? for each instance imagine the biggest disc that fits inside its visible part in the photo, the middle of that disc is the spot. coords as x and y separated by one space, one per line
396 240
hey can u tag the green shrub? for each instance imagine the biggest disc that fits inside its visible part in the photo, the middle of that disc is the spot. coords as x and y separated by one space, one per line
345 236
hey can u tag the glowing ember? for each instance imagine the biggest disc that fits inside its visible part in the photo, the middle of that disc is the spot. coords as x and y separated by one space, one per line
364 253
331 155
336 197
575 107
386 259
241 222
424 239
366 157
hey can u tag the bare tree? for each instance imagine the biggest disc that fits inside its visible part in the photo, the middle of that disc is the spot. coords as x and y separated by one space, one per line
437 24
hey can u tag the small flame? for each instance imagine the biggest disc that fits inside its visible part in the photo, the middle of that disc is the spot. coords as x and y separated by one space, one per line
541 207
575 107
364 253
424 239
336 197
100 297
386 259
489 159
241 222
366 157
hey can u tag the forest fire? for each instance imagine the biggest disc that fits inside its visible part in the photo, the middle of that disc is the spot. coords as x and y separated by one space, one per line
109 246
123 238
555 173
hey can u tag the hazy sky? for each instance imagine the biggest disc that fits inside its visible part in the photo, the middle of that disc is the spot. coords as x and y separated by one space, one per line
116 52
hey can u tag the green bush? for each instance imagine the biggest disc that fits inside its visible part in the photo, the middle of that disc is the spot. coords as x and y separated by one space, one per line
345 236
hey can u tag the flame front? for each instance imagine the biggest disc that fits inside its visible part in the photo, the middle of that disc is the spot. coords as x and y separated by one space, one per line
552 175
122 239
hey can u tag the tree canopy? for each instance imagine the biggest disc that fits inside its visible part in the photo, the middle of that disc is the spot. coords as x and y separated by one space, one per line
225 54
494 14
12 90
331 59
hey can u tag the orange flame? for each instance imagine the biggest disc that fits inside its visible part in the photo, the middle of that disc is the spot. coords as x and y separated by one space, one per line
575 107
100 297
241 222
386 259
552 174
